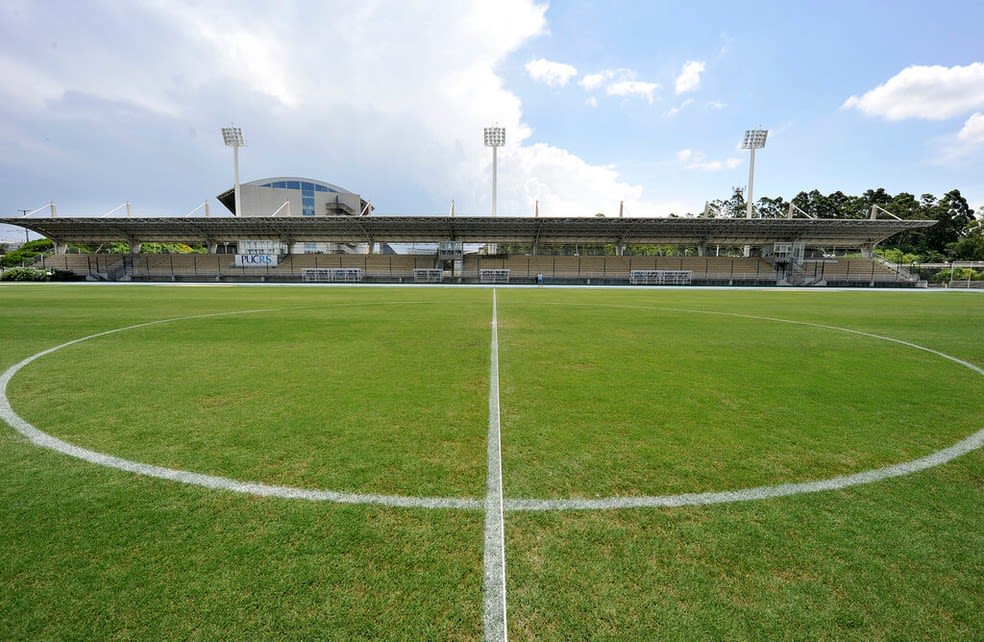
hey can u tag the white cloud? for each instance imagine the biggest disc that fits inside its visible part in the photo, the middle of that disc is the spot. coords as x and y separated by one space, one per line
593 82
953 150
250 51
972 132
697 160
632 88
591 101
554 74
620 82
566 185
403 129
689 78
930 92
676 110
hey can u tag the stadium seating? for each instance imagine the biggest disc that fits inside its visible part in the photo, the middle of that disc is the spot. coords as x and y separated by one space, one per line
850 272
94 266
706 270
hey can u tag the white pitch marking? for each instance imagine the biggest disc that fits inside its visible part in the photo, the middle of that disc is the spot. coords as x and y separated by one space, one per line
963 447
494 584
45 440
937 458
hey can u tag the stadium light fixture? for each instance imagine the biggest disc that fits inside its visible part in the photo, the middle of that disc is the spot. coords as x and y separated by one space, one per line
495 137
754 139
233 137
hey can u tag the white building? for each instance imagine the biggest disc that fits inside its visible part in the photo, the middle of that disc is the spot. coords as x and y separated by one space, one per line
294 196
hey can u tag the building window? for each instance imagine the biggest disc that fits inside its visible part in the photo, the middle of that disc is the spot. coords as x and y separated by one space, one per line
305 186
307 200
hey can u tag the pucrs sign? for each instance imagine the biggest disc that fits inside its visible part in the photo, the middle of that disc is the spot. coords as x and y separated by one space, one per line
256 260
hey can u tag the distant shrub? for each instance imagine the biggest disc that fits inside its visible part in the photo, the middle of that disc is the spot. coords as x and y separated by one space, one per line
957 274
24 274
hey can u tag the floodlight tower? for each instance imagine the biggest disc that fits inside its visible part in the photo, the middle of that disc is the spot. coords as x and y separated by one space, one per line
233 137
495 137
754 139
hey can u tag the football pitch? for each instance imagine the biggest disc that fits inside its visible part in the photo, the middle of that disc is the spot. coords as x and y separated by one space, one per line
249 462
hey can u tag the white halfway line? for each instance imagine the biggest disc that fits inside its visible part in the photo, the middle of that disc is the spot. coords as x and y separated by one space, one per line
494 584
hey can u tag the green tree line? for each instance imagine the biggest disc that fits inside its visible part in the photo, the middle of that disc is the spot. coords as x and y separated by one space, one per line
28 252
957 235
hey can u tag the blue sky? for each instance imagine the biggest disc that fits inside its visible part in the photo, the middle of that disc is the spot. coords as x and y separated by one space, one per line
644 103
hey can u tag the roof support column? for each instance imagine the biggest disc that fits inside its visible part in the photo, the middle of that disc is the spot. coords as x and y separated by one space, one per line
868 251
59 246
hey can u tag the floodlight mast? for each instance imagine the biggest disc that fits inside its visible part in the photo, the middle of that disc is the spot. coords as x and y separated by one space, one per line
754 139
233 137
495 137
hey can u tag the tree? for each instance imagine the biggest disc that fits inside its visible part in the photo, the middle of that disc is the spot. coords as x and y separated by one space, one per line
878 197
905 206
772 207
816 204
848 206
953 215
970 247
168 248
736 206
650 250
27 252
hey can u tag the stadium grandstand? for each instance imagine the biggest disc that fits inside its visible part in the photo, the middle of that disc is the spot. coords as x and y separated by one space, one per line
303 230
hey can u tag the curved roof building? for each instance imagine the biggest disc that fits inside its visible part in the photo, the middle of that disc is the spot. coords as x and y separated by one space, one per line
294 196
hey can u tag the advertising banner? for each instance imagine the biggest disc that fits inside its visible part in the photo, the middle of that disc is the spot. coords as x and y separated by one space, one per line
256 260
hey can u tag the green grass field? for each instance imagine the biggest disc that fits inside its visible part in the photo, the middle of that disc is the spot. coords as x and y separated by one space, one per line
604 392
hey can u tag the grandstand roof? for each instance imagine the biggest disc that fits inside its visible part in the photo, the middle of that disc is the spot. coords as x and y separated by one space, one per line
470 229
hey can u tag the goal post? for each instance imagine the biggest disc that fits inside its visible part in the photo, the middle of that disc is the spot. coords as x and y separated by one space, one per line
428 275
332 275
661 277
494 275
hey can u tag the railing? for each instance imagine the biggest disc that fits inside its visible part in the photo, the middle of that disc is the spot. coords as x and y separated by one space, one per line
903 273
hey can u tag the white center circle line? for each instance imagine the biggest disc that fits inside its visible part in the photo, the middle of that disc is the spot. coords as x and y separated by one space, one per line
44 440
